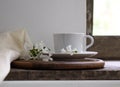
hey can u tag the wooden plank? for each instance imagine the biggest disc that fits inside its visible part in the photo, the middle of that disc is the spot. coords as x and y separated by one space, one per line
87 63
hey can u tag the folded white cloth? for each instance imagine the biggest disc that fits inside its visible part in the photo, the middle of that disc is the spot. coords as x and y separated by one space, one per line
11 47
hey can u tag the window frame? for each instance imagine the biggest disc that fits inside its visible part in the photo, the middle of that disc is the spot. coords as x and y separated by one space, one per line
108 47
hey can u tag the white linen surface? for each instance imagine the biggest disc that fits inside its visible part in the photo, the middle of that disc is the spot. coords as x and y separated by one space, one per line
11 47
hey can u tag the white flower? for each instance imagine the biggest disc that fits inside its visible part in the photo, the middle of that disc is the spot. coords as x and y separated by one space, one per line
75 50
45 50
69 50
46 58
63 50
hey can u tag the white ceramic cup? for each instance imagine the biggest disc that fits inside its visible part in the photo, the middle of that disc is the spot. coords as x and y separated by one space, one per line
75 40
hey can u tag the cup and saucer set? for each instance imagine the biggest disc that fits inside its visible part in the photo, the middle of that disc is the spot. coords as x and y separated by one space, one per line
72 46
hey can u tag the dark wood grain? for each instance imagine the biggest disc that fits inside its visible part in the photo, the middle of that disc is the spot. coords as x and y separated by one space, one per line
108 47
87 63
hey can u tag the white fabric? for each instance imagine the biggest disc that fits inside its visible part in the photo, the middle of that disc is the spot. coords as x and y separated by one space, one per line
11 47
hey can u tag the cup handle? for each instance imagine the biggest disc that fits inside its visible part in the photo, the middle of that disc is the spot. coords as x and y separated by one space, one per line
91 41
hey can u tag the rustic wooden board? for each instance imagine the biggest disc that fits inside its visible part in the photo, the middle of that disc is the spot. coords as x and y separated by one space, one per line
87 63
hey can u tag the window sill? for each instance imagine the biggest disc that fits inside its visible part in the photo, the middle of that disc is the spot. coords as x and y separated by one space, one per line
108 47
111 71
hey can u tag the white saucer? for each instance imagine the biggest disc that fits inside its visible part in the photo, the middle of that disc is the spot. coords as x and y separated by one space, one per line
67 56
